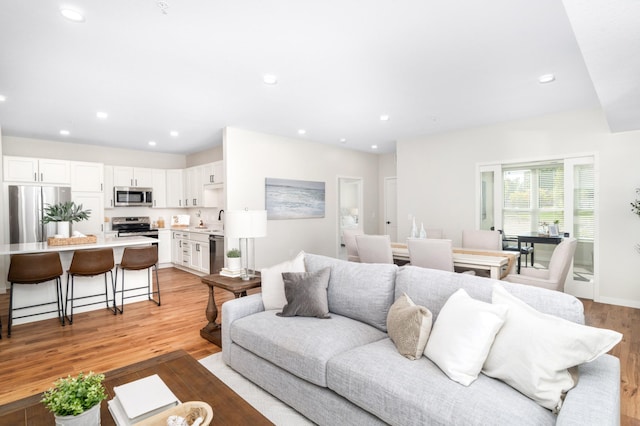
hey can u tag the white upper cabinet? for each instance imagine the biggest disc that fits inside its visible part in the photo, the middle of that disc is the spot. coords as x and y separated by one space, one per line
132 176
213 173
194 186
93 201
159 185
175 188
87 177
26 169
108 187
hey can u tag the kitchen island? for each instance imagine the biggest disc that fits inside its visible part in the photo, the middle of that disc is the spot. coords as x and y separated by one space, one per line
33 294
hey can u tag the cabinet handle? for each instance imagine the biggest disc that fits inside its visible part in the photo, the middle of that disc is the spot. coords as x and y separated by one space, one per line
136 182
197 247
195 201
101 188
41 177
180 203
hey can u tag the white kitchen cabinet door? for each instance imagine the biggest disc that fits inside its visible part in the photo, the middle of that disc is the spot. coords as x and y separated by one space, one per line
87 177
164 246
194 186
175 188
143 178
27 169
159 188
95 202
108 187
122 176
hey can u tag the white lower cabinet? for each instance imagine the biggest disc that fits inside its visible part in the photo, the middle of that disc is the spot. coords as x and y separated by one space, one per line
190 250
165 245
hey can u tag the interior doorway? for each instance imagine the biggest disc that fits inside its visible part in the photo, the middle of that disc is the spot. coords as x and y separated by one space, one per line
391 208
350 209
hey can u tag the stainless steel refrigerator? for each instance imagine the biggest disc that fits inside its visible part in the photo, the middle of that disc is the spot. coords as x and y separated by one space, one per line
26 206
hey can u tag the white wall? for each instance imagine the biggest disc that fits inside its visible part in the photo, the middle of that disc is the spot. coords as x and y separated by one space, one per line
437 183
25 147
204 157
251 157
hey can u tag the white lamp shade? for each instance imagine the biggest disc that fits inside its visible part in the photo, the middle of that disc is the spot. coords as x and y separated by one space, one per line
245 223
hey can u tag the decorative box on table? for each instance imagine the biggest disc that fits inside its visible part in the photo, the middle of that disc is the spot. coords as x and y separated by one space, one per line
87 239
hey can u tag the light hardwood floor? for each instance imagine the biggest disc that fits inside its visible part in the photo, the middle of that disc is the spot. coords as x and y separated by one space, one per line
38 353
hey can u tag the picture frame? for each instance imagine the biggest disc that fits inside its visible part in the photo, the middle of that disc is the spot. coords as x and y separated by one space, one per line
553 230
294 199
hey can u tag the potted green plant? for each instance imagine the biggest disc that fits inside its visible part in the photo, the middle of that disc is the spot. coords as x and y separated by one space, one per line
63 214
76 400
234 262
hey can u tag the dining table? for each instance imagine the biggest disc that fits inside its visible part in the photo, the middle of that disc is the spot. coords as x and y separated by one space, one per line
536 237
498 263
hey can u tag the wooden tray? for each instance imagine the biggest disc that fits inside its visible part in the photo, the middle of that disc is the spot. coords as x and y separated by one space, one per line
181 410
89 239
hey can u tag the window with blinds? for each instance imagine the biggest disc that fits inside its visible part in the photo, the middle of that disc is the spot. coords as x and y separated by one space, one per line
584 205
532 195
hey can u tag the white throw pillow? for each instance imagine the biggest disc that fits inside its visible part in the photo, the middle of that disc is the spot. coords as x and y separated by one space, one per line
533 351
462 336
273 296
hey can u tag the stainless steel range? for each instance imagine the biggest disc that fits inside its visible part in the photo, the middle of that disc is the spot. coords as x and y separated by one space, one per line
133 226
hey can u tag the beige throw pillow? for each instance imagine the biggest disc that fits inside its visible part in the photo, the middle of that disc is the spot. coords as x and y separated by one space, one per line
533 351
409 326
462 336
273 296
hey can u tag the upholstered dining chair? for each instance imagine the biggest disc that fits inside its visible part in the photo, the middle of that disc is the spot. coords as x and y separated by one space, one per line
481 239
374 248
434 233
431 253
554 277
349 239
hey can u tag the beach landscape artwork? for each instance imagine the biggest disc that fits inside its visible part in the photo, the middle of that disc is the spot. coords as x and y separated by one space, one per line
294 199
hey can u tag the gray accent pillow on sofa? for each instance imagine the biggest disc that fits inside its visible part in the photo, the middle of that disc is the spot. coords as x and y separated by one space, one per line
306 294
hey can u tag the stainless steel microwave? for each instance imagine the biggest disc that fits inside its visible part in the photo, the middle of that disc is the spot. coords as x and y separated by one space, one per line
125 196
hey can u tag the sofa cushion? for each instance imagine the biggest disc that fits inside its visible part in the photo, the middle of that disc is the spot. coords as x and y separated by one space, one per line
431 288
462 336
533 351
404 392
301 345
306 294
272 287
409 327
362 291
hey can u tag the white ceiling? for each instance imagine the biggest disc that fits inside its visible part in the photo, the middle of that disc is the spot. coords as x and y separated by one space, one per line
432 66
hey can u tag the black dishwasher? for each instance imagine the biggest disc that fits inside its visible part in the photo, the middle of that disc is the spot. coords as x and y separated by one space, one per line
216 253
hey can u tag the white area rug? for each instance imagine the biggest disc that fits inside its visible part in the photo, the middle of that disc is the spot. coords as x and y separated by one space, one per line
272 408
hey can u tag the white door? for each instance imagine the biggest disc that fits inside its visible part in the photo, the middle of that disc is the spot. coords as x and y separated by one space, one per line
391 208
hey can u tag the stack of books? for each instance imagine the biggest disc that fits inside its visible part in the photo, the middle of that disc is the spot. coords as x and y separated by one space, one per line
138 400
233 273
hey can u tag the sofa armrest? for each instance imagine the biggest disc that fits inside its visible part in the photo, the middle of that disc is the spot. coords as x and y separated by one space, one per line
596 398
233 310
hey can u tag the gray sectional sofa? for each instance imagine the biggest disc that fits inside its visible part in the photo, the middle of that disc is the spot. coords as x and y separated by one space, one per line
346 370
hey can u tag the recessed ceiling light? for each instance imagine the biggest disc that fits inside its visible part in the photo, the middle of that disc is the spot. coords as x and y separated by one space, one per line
174 134
384 117
72 15
343 140
374 146
302 132
152 143
270 79
546 78
102 115
65 132
3 98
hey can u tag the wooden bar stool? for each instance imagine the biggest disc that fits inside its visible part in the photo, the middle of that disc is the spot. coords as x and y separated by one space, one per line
35 268
137 259
90 263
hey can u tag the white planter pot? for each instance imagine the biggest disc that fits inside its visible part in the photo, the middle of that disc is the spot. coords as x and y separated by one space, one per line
91 417
63 229
234 263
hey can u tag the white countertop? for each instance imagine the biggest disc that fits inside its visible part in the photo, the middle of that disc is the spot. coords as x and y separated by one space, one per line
101 243
208 231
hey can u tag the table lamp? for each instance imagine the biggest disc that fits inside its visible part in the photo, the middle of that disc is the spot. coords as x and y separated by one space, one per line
246 225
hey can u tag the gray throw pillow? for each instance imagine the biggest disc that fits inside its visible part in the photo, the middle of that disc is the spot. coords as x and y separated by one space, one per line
306 294
409 326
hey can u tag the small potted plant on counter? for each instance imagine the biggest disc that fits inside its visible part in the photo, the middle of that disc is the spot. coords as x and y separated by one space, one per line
233 260
63 214
76 400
